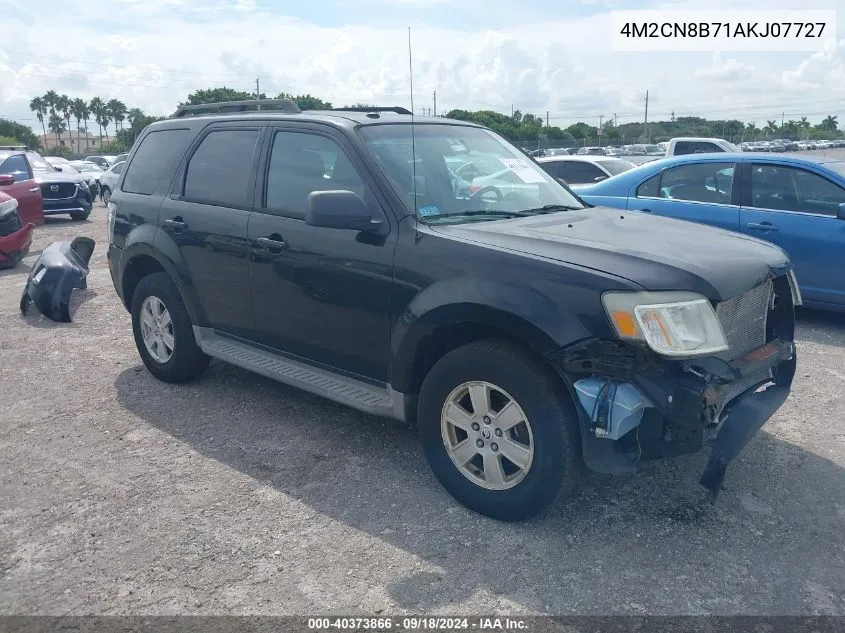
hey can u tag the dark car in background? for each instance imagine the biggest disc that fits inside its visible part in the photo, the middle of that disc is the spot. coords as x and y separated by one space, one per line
62 193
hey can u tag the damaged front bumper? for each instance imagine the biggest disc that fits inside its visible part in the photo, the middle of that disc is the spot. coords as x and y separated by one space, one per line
60 268
635 406
14 246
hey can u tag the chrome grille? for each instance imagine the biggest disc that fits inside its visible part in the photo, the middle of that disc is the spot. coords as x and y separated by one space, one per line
58 190
743 320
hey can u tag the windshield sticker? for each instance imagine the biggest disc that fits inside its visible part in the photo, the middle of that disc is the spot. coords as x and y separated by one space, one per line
428 210
523 170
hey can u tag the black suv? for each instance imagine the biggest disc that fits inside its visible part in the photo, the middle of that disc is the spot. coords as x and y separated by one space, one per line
525 332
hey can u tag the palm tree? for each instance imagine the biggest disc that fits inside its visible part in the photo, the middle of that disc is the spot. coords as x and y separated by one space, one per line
771 127
38 106
830 122
751 129
57 126
117 110
133 116
105 119
85 112
804 125
77 106
63 110
50 98
97 106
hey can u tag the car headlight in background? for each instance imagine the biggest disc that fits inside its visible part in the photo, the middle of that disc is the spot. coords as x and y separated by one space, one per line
8 207
671 323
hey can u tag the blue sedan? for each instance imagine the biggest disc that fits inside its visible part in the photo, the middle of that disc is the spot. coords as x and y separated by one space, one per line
797 203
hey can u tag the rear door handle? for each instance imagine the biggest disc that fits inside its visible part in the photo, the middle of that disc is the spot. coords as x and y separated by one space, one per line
176 223
274 243
34 189
762 226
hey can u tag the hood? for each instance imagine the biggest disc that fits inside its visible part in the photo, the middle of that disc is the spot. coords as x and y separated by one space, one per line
654 252
59 177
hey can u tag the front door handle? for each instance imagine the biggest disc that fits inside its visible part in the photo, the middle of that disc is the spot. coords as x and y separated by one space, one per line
176 223
274 243
762 226
645 210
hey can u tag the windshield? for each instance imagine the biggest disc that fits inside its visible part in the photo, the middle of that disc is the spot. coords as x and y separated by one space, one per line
39 165
463 169
616 165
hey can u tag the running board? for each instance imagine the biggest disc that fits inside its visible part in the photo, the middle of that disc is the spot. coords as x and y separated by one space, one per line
347 391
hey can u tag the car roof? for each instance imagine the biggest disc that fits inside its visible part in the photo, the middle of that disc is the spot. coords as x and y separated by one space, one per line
697 138
745 156
339 118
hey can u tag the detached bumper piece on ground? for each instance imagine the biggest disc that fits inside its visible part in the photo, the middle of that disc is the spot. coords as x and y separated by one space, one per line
60 268
15 238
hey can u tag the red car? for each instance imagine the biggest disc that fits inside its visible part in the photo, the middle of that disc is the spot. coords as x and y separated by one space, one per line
18 181
15 237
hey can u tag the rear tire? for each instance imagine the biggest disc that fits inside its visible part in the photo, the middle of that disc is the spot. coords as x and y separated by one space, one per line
80 216
546 442
179 358
105 195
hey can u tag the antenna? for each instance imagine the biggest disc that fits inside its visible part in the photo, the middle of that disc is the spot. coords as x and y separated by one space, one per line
413 143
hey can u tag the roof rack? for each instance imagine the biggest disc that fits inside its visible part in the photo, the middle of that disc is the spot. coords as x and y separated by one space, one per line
225 107
396 109
14 148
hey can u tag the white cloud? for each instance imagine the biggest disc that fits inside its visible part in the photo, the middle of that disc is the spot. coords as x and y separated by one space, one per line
152 53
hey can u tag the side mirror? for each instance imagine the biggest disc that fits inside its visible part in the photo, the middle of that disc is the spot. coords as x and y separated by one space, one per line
340 210
841 214
6 180
57 168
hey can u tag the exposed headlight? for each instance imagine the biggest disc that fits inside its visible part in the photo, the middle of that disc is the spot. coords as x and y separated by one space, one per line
680 324
8 207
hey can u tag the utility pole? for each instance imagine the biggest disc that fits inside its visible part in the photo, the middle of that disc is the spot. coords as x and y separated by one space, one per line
646 116
782 114
257 87
615 124
435 103
601 116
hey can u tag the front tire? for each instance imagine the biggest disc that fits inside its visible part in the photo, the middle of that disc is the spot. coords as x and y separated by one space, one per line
163 331
105 195
80 216
498 430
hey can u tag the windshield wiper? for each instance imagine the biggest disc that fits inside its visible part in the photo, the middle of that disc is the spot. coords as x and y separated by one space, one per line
550 208
479 212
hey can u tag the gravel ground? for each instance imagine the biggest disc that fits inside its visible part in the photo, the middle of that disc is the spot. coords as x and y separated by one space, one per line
123 495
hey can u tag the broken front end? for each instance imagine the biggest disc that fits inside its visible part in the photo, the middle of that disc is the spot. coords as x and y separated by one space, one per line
61 267
15 238
683 373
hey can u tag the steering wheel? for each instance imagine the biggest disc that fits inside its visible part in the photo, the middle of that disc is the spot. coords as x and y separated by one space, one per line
485 190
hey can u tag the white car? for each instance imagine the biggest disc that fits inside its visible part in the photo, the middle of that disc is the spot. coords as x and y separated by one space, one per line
823 144
109 180
575 170
499 184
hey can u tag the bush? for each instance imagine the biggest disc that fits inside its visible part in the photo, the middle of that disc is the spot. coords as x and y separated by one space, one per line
8 140
58 150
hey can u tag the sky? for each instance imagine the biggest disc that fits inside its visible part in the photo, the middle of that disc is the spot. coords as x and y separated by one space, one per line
536 56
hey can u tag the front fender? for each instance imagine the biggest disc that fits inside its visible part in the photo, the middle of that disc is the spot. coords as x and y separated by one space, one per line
523 312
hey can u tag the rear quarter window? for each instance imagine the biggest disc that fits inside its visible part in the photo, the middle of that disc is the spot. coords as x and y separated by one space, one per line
155 158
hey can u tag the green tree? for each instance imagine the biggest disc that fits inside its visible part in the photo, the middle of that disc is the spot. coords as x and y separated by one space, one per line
39 107
117 111
77 108
216 95
63 109
751 130
23 134
771 127
306 101
57 126
830 122
97 106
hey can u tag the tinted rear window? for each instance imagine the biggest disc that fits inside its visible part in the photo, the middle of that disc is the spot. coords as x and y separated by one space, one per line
220 171
156 157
